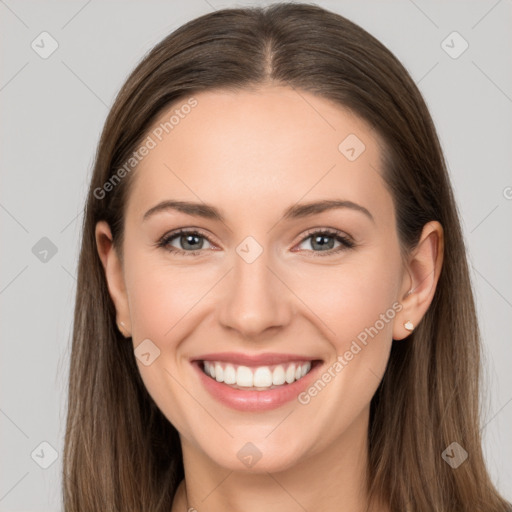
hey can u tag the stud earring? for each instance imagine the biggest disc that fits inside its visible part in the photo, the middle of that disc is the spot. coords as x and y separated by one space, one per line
409 325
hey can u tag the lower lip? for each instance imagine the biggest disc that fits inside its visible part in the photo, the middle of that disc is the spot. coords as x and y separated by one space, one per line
256 400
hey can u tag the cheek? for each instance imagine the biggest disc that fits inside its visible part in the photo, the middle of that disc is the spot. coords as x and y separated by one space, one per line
163 300
350 299
358 305
161 297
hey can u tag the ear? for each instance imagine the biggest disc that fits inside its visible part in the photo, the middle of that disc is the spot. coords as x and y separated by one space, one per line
114 276
420 278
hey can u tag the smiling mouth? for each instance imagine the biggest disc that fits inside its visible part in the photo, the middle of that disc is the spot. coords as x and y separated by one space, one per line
257 378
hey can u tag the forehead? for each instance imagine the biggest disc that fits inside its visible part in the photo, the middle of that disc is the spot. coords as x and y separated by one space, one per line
273 144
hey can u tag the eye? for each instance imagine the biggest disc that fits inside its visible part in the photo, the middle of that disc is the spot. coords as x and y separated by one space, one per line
324 241
190 242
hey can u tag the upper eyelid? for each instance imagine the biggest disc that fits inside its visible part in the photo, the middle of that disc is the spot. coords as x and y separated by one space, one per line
185 231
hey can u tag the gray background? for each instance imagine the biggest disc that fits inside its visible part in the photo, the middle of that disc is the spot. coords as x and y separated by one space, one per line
52 113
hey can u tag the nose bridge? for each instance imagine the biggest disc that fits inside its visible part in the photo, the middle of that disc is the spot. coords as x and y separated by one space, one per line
254 298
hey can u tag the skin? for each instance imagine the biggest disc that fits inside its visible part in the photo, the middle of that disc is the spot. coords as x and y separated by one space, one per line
252 154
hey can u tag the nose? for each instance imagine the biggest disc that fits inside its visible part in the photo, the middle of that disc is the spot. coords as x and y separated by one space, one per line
255 298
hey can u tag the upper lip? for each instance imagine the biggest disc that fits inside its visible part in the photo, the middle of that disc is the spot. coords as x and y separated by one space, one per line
266 359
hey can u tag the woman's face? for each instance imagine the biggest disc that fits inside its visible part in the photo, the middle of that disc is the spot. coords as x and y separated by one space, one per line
260 277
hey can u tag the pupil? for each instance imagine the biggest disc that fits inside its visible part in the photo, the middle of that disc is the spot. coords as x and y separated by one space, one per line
320 240
187 238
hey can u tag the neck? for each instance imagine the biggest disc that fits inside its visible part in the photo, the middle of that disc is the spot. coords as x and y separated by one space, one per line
330 480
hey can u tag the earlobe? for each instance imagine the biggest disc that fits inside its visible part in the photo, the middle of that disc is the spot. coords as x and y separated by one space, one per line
423 270
113 276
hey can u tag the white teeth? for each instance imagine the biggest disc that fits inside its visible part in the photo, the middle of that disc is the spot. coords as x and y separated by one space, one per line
278 376
244 377
261 377
229 374
207 369
219 373
290 374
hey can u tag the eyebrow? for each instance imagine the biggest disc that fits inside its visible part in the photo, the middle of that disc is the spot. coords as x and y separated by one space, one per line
295 211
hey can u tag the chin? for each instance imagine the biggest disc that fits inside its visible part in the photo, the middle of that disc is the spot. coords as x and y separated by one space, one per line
257 457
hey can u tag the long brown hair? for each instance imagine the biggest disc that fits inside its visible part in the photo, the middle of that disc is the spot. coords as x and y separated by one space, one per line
121 453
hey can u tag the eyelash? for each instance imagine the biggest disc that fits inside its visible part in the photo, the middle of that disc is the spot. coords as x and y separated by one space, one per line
346 243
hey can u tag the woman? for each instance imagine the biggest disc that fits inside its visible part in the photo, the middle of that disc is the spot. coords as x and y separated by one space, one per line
274 308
